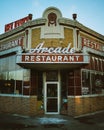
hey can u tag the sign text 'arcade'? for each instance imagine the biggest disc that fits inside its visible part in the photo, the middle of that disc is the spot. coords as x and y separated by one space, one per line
58 50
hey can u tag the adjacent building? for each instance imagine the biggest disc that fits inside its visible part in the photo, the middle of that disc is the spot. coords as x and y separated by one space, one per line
51 65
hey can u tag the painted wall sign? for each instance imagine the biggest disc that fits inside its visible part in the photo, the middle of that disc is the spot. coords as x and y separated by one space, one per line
49 58
58 50
11 44
92 44
17 23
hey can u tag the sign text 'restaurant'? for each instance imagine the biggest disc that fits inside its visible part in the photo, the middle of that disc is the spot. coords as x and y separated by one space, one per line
49 58
12 44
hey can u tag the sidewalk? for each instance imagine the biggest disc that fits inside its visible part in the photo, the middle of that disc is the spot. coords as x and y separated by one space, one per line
51 122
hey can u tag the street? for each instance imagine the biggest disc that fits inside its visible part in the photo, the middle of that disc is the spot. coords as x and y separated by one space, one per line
51 122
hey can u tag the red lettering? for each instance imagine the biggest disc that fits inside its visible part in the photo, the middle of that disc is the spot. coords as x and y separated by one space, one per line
92 44
8 27
52 58
17 23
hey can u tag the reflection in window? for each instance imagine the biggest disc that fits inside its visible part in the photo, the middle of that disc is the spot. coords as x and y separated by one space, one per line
19 81
26 82
92 82
97 83
85 82
51 90
19 75
11 75
13 82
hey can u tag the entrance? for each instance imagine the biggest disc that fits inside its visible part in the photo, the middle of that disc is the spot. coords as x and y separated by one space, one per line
52 93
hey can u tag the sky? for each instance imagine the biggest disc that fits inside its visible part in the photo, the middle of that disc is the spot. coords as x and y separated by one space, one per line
90 13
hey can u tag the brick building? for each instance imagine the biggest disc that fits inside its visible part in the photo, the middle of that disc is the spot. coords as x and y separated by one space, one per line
51 65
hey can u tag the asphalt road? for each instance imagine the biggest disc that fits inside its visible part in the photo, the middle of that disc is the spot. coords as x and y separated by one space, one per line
51 122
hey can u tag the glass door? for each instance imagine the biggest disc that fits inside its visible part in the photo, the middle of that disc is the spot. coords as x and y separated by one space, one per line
52 98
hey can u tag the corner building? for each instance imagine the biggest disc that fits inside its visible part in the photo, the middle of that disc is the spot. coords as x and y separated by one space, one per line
51 65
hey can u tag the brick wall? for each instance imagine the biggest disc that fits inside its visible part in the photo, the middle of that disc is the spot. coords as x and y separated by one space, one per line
23 105
82 105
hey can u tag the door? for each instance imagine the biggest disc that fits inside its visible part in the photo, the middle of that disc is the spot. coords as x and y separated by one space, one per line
52 98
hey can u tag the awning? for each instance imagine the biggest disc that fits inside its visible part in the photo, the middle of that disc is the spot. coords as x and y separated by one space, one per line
44 60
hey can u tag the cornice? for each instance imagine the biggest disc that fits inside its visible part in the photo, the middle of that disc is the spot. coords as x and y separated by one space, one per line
81 27
62 21
36 22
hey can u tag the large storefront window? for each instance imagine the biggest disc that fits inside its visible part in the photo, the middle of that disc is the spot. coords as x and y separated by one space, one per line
97 83
92 82
85 82
15 82
26 82
13 79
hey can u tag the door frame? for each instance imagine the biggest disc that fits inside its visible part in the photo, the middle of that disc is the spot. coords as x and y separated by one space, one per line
52 97
45 93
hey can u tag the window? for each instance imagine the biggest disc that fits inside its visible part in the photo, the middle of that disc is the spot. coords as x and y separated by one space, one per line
13 78
26 82
97 83
52 76
92 82
85 82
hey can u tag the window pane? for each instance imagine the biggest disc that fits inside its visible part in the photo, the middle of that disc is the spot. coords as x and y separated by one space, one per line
97 83
5 64
11 75
85 82
12 62
26 82
19 75
52 76
19 81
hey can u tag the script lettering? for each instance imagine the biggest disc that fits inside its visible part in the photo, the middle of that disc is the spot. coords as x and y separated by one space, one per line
58 50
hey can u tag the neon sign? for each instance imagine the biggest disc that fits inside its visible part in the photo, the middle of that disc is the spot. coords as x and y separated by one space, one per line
52 58
41 54
58 50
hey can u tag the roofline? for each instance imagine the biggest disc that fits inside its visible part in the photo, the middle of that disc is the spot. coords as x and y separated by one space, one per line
81 27
62 21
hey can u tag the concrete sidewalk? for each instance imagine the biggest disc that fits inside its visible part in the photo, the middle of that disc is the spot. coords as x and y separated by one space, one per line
51 122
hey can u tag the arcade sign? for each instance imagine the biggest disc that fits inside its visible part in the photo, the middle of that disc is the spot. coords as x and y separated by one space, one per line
41 54
58 50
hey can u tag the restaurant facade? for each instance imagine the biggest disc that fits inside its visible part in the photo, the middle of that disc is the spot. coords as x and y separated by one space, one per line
51 65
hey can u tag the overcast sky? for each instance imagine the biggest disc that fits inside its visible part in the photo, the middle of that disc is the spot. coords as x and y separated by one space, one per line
89 12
